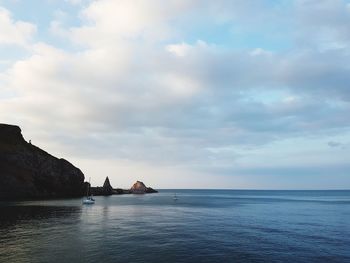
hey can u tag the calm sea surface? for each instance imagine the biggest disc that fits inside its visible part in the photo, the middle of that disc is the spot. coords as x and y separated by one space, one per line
201 226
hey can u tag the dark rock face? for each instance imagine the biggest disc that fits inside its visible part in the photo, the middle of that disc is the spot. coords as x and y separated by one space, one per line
150 190
140 188
27 171
107 188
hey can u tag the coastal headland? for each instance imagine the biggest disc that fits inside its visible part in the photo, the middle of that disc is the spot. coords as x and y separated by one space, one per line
28 172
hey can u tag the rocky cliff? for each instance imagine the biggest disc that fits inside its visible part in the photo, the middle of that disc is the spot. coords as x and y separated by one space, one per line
27 171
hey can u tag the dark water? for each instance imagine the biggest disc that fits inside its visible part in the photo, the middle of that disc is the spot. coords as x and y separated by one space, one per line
201 226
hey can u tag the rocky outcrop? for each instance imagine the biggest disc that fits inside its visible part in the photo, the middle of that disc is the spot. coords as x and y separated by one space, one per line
140 188
106 189
27 171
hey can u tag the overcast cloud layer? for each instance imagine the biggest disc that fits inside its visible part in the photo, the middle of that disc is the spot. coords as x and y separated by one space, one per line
187 94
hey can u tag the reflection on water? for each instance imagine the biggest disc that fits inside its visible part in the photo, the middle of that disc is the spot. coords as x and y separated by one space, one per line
201 226
12 215
31 232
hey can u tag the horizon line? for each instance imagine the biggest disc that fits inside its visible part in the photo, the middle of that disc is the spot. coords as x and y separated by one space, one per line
251 189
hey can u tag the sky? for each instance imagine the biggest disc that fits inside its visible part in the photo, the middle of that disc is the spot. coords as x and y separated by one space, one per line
231 94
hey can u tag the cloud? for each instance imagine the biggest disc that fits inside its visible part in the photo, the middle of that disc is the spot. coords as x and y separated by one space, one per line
325 22
334 144
74 2
111 22
142 84
14 32
183 49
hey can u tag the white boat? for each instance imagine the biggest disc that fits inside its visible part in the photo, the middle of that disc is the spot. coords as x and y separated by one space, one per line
88 200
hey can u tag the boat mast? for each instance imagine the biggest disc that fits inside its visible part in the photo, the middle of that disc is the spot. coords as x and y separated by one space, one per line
88 188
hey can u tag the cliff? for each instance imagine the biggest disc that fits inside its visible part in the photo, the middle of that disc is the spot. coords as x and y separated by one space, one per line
27 171
140 188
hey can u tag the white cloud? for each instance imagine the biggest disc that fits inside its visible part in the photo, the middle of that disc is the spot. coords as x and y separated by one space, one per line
183 49
109 22
180 50
14 32
260 51
74 2
133 91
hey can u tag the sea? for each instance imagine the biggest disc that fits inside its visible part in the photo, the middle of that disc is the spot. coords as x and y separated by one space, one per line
198 226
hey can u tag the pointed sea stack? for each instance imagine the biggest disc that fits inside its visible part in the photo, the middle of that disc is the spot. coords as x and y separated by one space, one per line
140 188
107 188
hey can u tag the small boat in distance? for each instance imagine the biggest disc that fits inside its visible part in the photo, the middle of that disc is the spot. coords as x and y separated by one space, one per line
88 200
175 197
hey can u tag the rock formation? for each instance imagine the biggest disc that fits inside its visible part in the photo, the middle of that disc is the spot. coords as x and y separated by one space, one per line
106 189
27 171
140 188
